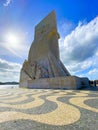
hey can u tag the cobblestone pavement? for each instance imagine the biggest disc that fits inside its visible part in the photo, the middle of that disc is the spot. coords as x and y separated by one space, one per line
46 109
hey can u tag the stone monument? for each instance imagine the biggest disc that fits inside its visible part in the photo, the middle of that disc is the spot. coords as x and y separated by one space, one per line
44 69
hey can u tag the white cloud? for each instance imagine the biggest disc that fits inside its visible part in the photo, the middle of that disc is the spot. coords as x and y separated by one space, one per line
7 2
93 71
79 66
97 53
9 71
79 49
82 43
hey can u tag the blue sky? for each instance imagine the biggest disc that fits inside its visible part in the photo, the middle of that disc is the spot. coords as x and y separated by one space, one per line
77 22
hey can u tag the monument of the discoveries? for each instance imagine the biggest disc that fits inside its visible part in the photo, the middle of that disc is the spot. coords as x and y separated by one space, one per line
44 69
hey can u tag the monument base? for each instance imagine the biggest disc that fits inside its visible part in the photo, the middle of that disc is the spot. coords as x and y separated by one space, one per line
68 82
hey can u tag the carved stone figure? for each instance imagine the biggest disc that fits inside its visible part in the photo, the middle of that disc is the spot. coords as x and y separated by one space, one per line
33 70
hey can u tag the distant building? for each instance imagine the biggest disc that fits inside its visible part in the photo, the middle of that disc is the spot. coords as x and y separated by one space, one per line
93 83
96 82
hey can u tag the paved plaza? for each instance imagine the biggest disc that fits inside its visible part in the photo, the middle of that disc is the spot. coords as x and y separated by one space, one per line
47 109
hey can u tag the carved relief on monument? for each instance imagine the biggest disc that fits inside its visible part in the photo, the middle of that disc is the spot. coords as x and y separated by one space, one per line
39 71
35 70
